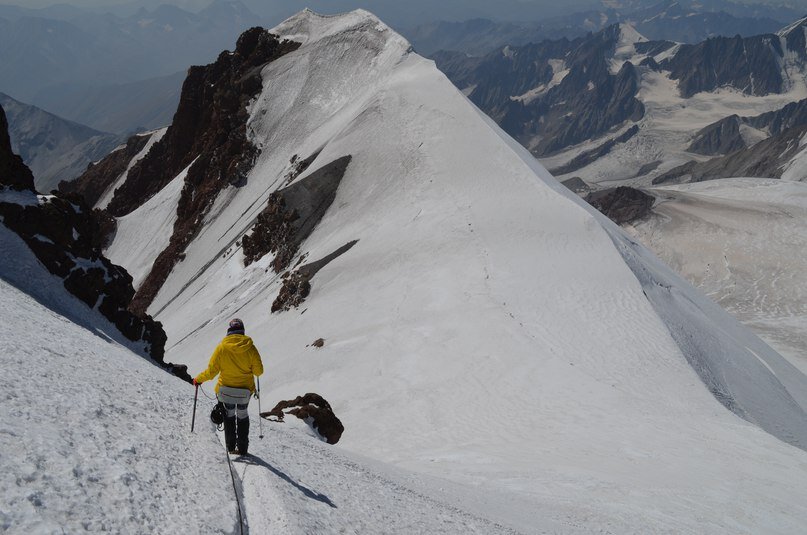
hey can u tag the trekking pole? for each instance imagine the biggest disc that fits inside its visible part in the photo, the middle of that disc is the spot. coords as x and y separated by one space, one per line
260 418
195 395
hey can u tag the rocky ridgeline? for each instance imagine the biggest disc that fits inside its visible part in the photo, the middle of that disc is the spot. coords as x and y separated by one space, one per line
67 238
314 410
100 176
208 137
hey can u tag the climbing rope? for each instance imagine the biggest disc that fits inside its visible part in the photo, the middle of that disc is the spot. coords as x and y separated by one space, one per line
242 529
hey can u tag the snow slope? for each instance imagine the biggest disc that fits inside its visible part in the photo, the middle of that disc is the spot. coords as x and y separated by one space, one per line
94 437
740 241
488 328
100 441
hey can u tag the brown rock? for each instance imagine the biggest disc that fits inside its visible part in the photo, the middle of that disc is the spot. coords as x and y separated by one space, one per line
622 204
319 342
98 177
313 409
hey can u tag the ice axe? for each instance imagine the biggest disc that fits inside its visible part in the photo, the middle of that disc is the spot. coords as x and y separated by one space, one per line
260 418
195 396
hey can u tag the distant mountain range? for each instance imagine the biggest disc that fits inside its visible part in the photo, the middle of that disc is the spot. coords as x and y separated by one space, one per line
614 106
62 49
681 21
55 149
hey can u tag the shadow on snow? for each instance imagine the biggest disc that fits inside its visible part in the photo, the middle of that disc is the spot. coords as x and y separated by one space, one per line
257 461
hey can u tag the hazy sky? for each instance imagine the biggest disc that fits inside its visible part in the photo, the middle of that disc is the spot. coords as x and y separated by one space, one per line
399 13
405 11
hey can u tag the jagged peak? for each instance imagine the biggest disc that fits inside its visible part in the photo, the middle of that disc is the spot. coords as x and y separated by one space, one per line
792 26
629 35
308 26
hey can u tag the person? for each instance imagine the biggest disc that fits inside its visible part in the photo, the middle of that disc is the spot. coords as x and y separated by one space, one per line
236 360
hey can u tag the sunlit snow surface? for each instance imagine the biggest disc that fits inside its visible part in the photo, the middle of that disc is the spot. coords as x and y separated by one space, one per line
95 438
488 328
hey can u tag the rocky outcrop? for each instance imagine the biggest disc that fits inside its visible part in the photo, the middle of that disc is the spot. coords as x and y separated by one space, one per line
297 284
315 411
292 213
623 204
13 172
295 288
67 239
100 176
721 137
208 137
751 64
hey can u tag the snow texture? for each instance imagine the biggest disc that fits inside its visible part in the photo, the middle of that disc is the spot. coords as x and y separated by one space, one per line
488 329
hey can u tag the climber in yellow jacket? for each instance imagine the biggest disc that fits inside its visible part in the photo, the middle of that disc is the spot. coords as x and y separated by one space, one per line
235 360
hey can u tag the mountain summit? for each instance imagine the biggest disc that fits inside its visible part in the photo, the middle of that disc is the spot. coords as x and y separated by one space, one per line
484 326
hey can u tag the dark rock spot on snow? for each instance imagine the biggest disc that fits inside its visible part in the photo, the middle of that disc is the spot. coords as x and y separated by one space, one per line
295 289
313 409
622 204
319 342
297 284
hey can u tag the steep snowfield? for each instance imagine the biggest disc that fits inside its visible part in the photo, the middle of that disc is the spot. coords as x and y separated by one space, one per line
106 197
742 242
97 439
94 437
488 328
143 234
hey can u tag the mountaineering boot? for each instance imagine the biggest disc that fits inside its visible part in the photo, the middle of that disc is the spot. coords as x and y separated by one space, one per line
229 433
243 435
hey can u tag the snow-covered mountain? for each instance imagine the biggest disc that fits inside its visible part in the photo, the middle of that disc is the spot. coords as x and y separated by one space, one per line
481 324
54 148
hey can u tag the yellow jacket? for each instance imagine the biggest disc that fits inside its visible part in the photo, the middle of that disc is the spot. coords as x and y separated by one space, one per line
237 358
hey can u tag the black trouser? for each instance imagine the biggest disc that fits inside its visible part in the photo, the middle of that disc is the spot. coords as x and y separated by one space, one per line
236 429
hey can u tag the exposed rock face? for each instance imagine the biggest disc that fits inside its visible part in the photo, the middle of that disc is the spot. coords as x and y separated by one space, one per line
13 172
297 284
98 177
296 287
313 409
750 64
208 137
590 156
776 122
769 159
721 137
67 238
622 204
292 213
